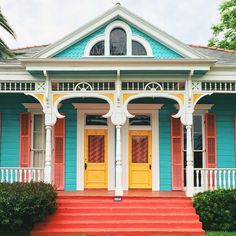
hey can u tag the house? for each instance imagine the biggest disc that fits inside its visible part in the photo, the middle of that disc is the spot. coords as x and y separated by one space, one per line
118 105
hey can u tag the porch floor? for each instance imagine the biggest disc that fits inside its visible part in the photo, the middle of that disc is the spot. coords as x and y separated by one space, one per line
130 193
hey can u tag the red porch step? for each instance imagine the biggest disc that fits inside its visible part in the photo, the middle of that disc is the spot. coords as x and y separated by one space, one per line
134 215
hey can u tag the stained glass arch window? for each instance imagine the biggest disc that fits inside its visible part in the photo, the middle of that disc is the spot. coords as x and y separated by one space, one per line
97 49
118 42
138 49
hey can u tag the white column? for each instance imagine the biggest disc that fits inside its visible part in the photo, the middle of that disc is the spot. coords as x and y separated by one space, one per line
119 187
48 155
189 167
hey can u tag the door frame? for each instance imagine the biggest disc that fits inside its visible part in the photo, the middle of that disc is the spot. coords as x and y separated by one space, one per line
153 111
94 109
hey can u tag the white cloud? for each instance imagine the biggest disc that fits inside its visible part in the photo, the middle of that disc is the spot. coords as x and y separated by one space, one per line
45 21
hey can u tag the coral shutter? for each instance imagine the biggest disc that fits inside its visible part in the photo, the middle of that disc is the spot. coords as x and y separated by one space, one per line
25 139
177 154
210 130
59 153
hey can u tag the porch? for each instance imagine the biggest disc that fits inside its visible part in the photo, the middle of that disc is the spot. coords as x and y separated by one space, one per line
156 111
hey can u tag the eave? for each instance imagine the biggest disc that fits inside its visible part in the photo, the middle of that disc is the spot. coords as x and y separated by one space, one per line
114 64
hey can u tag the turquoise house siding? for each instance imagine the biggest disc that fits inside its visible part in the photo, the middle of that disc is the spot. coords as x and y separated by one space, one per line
76 50
165 147
159 50
11 107
70 146
225 109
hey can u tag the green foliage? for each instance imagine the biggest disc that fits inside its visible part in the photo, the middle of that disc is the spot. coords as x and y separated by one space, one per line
224 33
217 209
4 50
24 204
222 233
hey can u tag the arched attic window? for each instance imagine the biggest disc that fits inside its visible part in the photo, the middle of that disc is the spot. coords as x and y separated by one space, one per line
97 49
138 49
118 42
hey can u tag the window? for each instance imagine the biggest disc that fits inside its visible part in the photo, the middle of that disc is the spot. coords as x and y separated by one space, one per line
97 49
38 141
95 120
140 120
197 132
138 49
118 43
118 40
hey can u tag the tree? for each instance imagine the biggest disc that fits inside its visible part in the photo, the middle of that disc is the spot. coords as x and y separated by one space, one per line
224 33
4 50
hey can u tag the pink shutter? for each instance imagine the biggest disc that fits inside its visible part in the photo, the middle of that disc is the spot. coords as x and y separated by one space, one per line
59 153
25 139
210 130
177 154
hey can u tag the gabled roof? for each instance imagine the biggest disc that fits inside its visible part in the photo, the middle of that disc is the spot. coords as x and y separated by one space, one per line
120 12
223 56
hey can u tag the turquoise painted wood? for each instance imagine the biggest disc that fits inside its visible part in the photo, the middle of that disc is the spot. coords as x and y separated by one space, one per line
70 146
225 109
76 50
11 107
165 146
159 50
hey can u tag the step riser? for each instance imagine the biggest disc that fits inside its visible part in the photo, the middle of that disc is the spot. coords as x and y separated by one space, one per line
59 218
125 210
104 225
96 215
120 233
125 204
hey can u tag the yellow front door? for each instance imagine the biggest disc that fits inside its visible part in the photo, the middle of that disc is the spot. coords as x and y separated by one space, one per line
140 159
95 162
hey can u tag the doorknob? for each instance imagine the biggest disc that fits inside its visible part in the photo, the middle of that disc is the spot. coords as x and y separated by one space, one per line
85 166
150 166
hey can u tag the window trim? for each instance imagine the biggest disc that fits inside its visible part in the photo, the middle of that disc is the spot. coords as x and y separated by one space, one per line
129 38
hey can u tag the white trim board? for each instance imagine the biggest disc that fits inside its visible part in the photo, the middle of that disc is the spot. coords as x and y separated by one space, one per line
80 144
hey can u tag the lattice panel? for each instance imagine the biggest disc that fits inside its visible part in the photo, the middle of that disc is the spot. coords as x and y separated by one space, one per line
154 86
16 86
214 86
83 86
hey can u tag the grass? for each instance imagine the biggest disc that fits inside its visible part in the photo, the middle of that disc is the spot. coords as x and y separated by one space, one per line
212 233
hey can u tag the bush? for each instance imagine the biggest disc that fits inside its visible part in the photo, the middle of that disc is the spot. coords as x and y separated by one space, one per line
24 204
217 209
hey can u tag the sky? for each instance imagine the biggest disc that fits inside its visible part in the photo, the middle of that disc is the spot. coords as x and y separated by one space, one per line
39 22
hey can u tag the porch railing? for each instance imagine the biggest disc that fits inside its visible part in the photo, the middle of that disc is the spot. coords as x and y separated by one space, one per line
214 178
21 174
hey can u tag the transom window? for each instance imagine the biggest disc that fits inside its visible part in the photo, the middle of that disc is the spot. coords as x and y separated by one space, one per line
140 120
95 120
118 40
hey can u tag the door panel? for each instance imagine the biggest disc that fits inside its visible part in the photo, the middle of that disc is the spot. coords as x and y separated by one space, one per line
95 159
140 160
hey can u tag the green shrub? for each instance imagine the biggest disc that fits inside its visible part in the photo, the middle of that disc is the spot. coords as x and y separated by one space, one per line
217 209
24 204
